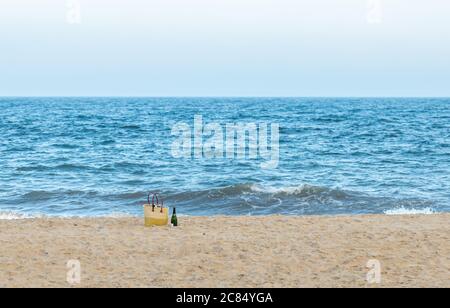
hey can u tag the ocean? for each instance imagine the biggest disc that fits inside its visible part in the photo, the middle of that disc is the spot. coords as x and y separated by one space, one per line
337 156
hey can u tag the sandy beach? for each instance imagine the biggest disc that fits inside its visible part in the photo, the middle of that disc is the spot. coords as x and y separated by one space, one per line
273 251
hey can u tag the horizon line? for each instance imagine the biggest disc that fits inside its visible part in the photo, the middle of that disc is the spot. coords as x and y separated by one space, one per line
217 96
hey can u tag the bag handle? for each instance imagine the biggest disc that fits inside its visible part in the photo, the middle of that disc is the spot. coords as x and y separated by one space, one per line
155 195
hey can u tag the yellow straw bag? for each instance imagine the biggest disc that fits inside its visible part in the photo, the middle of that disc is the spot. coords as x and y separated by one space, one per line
155 214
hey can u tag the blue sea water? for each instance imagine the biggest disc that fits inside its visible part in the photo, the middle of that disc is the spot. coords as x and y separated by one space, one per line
100 156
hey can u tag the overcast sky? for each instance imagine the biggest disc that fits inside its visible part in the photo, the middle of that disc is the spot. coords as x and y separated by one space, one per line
225 48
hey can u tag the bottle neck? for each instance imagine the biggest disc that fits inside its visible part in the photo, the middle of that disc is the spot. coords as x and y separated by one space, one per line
174 211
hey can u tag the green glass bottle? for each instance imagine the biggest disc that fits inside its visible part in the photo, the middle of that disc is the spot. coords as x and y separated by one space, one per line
174 220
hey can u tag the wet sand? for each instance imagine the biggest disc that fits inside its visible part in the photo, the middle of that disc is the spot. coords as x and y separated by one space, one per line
273 251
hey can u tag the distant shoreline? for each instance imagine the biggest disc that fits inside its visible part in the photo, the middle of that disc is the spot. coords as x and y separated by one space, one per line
263 251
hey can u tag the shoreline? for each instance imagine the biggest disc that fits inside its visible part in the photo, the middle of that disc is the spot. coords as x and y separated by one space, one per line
13 215
228 251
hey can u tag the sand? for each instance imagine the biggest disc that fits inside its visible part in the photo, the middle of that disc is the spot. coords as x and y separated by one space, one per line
275 251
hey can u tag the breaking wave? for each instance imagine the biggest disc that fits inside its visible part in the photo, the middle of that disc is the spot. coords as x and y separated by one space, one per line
240 199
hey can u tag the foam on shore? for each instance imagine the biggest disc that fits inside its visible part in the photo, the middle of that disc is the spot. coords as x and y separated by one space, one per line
405 211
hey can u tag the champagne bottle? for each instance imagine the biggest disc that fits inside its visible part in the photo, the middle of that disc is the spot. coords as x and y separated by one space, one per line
174 220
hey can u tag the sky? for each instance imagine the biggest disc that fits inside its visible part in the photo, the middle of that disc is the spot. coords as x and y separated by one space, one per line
225 48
